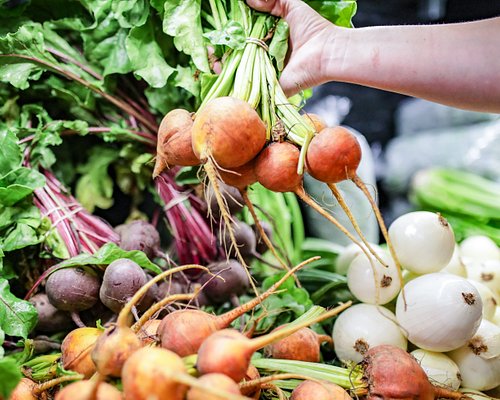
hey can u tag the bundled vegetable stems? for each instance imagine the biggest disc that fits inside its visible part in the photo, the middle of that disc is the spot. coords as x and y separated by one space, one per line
246 130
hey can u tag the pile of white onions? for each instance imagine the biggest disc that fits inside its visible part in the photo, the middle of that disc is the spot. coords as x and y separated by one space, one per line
448 308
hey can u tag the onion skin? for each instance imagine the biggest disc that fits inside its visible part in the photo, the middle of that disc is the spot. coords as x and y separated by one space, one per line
82 390
392 373
314 390
174 146
229 130
76 349
276 167
150 372
333 155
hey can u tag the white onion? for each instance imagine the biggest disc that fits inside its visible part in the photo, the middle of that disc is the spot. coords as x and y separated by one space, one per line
440 369
476 372
348 254
486 272
380 288
443 311
479 248
423 241
489 299
456 266
363 326
486 342
496 317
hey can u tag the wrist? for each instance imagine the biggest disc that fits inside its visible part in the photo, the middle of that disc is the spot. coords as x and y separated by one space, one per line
333 58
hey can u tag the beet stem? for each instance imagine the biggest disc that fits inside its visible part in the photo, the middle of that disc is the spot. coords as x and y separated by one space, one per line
225 319
262 233
309 201
347 210
77 320
262 341
211 172
361 185
122 317
42 387
441 392
158 306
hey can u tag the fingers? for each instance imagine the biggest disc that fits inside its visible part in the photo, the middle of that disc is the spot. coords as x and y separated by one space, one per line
263 5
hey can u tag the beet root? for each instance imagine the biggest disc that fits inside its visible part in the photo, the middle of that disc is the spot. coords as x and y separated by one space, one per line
228 130
174 145
261 246
276 167
239 177
122 278
73 289
333 155
140 235
230 194
219 381
392 373
50 319
24 390
113 348
150 373
319 390
235 281
83 390
303 345
244 236
76 349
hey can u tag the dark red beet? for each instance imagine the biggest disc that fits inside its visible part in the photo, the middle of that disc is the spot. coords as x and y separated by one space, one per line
140 235
333 155
245 239
50 319
276 167
122 278
73 289
235 281
261 246
231 195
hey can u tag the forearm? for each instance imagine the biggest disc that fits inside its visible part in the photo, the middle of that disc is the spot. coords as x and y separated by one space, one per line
454 64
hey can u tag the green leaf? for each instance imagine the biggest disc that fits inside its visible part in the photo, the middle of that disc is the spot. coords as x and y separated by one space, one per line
10 375
18 184
95 187
338 12
109 253
182 20
279 44
21 236
17 317
130 13
146 56
184 77
231 35
10 152
188 176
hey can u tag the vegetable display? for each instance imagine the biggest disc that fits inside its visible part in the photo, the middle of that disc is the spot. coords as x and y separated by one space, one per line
151 237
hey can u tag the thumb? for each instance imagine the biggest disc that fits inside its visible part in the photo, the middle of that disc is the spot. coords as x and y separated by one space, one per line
278 8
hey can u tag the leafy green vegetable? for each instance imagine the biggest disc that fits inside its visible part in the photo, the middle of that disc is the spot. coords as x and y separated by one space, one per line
338 12
231 35
107 254
17 317
10 375
182 20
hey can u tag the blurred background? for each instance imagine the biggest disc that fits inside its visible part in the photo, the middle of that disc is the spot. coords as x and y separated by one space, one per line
406 135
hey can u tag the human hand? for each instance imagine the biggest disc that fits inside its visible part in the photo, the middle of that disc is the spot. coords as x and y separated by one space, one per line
310 45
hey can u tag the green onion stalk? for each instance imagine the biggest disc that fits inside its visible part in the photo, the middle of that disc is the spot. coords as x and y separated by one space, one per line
248 74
